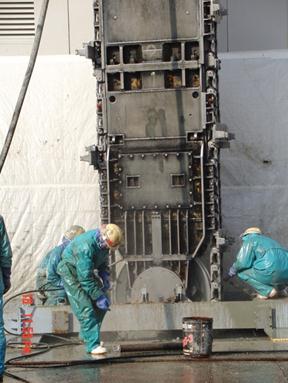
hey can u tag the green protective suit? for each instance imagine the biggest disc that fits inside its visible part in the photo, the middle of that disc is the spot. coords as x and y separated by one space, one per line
79 260
47 278
262 263
41 273
53 279
41 276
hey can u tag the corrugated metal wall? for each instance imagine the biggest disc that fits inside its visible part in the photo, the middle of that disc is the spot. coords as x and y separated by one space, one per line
16 18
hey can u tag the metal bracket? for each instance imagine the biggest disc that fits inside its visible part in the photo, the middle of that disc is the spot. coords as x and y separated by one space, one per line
88 50
217 11
116 139
221 136
94 157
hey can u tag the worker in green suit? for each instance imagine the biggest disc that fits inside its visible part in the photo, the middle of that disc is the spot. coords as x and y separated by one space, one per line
262 263
86 292
47 280
5 264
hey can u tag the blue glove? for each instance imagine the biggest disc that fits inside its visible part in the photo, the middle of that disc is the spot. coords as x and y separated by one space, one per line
231 273
104 275
103 302
6 272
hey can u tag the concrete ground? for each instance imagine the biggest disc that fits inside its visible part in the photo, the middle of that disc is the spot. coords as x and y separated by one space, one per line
223 366
164 372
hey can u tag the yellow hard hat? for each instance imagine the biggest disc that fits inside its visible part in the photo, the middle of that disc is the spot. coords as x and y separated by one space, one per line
73 232
251 230
112 235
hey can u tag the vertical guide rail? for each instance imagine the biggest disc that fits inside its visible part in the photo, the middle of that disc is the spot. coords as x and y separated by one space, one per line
170 233
178 232
202 202
108 184
187 231
143 234
135 232
126 232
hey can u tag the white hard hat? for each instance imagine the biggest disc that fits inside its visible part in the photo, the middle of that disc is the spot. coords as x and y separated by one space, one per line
112 235
251 230
73 232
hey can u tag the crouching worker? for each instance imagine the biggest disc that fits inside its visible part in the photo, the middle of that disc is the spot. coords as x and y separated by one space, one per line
87 293
47 278
262 263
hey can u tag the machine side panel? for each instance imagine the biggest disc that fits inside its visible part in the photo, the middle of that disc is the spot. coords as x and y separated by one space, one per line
154 114
141 20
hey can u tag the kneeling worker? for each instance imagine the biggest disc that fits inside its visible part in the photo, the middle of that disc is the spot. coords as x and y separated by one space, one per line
262 263
86 292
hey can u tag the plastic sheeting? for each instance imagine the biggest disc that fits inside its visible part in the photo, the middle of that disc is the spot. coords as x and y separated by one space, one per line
254 106
45 188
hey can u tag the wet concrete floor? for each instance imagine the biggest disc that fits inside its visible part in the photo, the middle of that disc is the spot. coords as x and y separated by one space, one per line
164 372
161 372
169 369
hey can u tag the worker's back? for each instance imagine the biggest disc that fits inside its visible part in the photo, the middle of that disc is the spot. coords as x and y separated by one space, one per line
270 255
85 246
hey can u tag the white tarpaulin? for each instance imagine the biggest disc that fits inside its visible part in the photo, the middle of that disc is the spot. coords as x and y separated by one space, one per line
254 105
45 187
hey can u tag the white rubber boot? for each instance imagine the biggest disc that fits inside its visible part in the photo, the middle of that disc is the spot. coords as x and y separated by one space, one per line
99 350
272 294
261 297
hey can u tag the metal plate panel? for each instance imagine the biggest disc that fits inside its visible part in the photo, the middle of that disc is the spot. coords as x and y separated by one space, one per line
140 20
160 284
154 114
60 322
150 169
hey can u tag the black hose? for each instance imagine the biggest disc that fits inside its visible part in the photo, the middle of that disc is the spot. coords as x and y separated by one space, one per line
28 292
28 74
16 377
142 358
129 358
153 346
45 348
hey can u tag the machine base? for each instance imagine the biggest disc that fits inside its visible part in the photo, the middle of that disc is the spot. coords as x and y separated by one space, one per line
149 321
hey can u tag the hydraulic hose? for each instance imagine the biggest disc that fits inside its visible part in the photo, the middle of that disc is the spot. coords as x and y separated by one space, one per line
27 77
143 358
153 346
15 377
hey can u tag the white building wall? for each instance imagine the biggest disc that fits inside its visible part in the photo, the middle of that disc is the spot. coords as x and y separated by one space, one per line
254 25
68 24
250 25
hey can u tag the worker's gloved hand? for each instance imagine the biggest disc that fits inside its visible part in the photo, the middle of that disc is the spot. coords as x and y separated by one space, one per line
231 273
7 286
6 272
103 302
105 276
42 296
